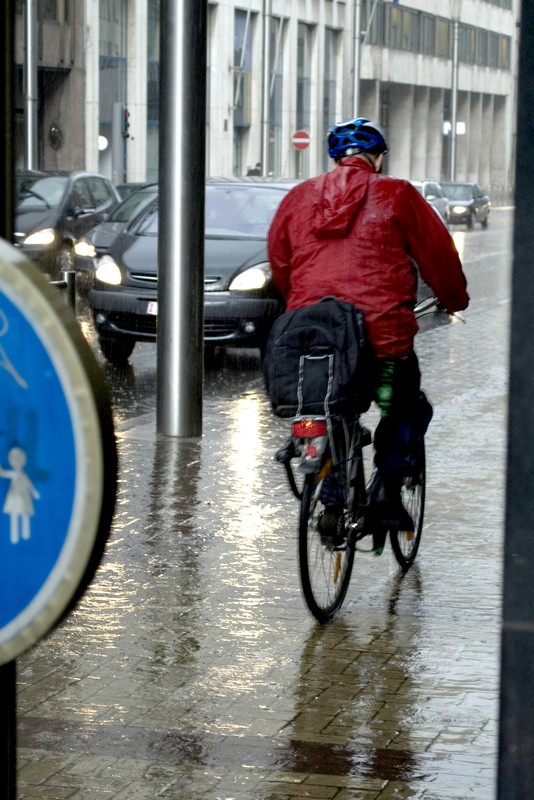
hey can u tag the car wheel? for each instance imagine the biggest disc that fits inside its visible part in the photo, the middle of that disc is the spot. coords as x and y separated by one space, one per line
470 222
213 355
117 351
484 222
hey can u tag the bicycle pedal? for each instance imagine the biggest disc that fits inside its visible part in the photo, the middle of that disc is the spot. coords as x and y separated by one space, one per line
333 542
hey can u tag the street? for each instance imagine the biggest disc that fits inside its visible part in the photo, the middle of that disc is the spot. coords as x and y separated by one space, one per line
192 669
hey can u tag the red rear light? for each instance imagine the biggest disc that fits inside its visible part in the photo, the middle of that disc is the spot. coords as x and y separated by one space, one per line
309 428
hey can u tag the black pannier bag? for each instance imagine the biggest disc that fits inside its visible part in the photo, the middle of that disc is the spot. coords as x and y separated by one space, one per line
317 359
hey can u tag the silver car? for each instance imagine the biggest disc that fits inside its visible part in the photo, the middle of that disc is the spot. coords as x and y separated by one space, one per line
433 193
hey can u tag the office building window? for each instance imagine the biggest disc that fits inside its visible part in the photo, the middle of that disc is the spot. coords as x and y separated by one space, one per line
482 47
331 48
276 86
443 38
243 21
427 34
112 57
304 61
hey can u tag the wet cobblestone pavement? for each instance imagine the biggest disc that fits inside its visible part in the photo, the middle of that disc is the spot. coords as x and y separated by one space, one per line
192 669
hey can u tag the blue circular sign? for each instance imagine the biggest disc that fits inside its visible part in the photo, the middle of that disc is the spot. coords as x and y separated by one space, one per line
57 457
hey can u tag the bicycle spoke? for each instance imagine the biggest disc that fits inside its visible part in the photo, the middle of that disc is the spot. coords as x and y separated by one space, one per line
324 567
405 544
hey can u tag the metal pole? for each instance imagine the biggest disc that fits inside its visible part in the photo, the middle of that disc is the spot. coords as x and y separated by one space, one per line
454 99
7 115
357 58
8 737
516 734
181 208
117 144
8 672
31 92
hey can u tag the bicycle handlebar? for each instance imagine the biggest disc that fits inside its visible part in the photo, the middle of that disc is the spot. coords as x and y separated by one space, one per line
430 304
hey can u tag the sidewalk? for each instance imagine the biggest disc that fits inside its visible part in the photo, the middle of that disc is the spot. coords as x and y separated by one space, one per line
192 669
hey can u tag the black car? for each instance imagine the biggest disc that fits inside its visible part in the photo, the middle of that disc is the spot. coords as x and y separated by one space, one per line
468 203
96 242
124 189
240 301
54 209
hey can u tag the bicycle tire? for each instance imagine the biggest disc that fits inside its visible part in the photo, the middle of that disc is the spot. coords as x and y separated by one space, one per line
405 544
325 570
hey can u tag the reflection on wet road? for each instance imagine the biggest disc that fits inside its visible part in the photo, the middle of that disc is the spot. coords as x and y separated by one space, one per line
192 669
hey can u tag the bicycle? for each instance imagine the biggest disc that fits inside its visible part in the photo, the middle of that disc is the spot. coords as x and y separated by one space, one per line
327 443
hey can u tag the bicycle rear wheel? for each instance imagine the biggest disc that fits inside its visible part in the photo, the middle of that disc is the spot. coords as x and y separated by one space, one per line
405 544
325 568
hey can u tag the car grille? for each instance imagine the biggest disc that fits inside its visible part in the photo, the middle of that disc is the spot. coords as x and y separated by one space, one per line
147 325
132 322
144 277
220 327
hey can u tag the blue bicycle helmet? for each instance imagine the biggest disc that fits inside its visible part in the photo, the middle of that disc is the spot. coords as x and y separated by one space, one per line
356 136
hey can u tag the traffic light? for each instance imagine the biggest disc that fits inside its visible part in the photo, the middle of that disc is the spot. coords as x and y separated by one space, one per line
125 122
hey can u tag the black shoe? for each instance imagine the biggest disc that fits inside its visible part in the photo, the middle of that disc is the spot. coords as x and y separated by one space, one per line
385 507
393 514
331 525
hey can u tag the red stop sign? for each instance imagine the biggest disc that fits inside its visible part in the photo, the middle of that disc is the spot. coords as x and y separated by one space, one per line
300 140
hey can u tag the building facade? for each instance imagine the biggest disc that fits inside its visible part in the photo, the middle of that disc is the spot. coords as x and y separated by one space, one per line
440 80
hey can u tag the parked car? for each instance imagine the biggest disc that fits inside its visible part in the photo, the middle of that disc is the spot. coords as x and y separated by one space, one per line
54 209
240 301
434 194
96 242
124 189
468 203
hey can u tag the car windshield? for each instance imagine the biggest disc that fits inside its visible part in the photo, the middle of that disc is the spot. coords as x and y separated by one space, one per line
241 211
132 205
40 192
458 191
232 211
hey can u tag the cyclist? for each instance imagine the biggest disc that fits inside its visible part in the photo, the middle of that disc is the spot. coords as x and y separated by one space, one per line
361 236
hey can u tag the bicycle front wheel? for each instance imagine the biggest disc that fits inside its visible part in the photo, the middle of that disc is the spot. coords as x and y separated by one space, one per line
325 565
405 544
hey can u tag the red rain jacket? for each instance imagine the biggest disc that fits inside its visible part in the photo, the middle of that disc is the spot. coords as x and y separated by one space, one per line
359 235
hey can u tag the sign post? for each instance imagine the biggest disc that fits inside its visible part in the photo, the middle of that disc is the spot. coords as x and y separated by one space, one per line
58 461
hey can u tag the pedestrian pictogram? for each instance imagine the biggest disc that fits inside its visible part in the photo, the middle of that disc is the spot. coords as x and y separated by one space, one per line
301 140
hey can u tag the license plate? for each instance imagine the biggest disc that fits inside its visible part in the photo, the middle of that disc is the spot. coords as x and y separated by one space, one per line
152 307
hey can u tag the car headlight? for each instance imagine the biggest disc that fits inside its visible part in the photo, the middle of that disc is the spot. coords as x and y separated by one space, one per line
253 278
108 271
85 249
45 236
459 209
